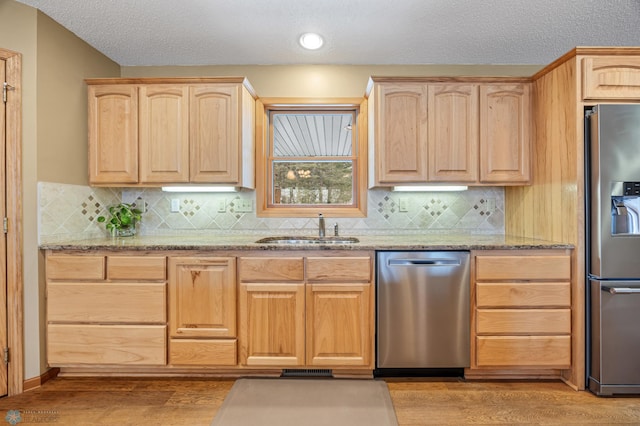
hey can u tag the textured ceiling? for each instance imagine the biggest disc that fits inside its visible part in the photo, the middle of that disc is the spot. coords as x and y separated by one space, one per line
243 32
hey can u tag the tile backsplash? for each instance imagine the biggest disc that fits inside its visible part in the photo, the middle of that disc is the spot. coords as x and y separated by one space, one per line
71 211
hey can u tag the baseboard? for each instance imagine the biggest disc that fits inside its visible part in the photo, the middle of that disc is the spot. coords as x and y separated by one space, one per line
229 373
514 374
36 382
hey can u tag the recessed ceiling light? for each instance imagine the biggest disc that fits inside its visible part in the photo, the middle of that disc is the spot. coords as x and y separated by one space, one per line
311 41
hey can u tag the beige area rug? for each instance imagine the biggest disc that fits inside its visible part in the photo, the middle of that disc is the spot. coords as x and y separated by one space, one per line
307 402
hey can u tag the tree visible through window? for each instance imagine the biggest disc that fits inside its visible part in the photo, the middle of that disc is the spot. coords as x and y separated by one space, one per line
312 157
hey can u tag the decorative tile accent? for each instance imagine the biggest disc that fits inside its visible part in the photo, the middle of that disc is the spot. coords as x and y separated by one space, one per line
71 211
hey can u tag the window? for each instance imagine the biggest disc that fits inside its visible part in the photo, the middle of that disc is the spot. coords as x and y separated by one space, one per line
312 159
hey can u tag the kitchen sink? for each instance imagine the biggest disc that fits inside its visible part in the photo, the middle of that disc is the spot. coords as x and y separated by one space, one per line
308 240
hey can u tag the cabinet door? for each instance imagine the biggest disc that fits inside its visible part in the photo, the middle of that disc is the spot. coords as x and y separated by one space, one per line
215 133
505 115
453 133
164 133
202 297
339 325
400 135
611 77
272 324
113 134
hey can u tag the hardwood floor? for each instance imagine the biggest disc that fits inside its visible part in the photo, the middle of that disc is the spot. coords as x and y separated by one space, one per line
141 401
506 403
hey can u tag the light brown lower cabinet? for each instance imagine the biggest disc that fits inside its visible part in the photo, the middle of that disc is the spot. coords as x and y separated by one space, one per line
306 310
154 309
338 324
521 309
202 311
280 310
103 311
272 331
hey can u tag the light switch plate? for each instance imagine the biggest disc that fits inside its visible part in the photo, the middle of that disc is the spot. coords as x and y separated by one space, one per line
403 204
175 205
222 206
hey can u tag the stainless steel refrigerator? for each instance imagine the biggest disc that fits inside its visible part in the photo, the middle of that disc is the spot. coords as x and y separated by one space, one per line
613 249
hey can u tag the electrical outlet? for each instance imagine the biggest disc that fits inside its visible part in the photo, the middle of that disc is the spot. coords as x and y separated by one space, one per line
140 205
403 205
222 206
175 205
490 205
243 206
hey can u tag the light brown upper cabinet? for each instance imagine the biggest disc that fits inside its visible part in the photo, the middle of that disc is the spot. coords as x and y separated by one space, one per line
397 133
113 134
611 77
171 131
453 135
471 131
505 133
164 133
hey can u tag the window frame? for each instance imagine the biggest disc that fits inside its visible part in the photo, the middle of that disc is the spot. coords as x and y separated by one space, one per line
263 108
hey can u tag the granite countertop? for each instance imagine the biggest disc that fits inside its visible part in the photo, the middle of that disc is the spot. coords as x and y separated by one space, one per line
248 242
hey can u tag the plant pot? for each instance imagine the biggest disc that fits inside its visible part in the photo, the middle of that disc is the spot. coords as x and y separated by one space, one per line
125 232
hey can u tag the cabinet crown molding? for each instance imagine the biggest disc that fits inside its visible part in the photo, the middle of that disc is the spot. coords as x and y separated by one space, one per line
443 79
175 80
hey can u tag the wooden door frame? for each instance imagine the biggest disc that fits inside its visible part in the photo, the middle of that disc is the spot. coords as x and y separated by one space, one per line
15 293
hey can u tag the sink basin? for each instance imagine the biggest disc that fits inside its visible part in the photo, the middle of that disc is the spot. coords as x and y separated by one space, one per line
308 240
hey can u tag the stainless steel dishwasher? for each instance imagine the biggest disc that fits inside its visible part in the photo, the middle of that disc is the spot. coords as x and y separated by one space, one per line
423 306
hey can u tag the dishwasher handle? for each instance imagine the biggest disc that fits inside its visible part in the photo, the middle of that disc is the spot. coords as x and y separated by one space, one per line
423 262
621 290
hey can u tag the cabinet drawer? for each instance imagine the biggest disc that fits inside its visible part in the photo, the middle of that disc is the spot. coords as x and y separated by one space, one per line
523 351
339 269
611 77
108 302
523 321
106 344
136 268
68 267
523 295
265 269
203 352
523 267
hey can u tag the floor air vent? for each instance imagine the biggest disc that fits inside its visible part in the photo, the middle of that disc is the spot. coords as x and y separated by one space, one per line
306 373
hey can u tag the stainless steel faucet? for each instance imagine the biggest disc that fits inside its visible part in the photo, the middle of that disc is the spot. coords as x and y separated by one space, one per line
321 225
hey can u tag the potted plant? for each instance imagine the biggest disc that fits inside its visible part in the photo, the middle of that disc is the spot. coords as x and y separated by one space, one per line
123 220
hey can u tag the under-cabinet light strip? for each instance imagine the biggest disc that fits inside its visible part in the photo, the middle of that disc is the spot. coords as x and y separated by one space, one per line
198 189
426 188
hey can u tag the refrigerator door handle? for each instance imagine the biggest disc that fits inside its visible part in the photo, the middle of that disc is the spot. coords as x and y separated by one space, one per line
621 290
422 262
